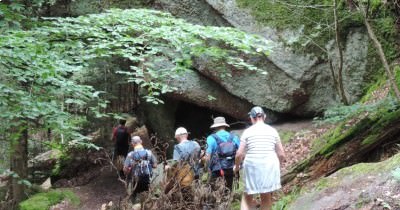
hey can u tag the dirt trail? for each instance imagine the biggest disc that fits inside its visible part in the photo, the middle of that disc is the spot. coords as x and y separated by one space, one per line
294 126
102 189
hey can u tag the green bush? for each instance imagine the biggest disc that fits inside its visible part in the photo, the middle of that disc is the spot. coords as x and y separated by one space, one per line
45 200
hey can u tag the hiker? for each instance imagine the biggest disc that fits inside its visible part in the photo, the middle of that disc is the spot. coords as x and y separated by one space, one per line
186 156
262 152
139 165
221 150
121 138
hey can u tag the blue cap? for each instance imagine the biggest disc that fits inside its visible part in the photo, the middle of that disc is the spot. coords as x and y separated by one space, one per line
256 112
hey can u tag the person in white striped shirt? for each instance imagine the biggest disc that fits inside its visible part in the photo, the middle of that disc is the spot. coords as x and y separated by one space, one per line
262 152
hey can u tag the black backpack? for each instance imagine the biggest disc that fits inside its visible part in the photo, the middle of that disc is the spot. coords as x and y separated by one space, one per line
225 154
122 136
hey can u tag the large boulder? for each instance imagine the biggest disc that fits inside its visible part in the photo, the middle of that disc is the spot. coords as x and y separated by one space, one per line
362 186
298 83
41 166
195 11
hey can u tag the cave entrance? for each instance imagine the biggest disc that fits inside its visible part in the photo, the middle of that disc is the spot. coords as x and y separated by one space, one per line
197 120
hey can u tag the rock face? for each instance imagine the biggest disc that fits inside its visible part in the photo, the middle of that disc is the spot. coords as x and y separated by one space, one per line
362 186
298 83
195 11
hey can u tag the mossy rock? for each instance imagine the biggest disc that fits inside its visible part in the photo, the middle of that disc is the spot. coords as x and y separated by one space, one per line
355 187
45 200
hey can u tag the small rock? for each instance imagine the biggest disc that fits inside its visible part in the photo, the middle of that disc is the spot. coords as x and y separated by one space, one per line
136 206
46 185
110 204
103 206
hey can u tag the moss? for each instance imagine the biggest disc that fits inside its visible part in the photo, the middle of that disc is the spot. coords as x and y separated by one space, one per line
328 136
357 170
384 120
83 7
286 136
293 14
370 139
322 184
45 200
285 200
379 81
338 136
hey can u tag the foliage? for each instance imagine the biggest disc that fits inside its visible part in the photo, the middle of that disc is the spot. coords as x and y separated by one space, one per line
313 21
45 200
148 40
18 14
341 113
286 136
285 200
384 23
373 116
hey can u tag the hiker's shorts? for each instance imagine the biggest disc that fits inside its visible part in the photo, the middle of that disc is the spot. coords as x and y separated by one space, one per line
261 173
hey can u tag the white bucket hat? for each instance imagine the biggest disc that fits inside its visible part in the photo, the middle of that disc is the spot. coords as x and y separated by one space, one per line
181 131
219 122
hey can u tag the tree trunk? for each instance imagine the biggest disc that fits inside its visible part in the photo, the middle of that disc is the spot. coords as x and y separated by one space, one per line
19 164
379 48
381 53
339 78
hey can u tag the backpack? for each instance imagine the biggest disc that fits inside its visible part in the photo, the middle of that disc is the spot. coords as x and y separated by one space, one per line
141 163
122 136
186 156
225 155
189 158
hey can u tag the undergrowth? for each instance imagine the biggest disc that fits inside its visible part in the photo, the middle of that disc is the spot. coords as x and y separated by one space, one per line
45 200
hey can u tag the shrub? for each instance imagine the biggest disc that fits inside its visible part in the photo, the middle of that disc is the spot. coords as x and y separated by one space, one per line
45 200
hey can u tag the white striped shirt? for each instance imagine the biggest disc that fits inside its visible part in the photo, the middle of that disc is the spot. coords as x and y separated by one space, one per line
260 139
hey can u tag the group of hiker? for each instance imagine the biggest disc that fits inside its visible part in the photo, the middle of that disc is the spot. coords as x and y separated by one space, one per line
258 152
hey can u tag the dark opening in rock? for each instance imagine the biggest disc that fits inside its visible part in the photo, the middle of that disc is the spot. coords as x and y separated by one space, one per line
197 120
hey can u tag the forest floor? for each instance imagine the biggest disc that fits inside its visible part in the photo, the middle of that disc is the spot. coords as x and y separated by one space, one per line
100 190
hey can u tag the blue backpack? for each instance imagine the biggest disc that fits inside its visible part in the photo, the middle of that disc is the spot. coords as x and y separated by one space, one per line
224 157
141 164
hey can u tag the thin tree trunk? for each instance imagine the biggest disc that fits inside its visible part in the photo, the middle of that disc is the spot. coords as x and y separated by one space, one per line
335 82
381 53
342 93
19 164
